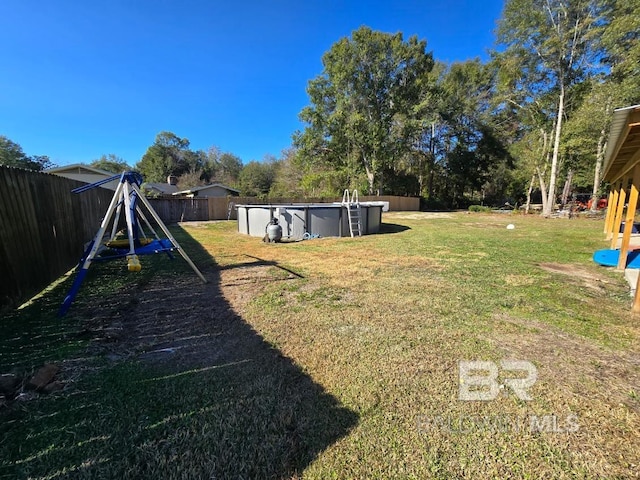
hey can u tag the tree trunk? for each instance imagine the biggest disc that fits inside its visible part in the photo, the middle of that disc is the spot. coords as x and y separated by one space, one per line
596 177
531 184
432 159
543 189
421 169
567 188
551 198
371 178
430 182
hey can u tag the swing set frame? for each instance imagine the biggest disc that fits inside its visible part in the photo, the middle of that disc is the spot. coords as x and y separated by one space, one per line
125 197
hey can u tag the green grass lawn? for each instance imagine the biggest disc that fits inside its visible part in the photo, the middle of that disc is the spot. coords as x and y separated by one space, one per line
336 358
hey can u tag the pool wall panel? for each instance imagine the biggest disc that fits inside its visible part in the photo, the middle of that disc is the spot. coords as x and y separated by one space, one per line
325 220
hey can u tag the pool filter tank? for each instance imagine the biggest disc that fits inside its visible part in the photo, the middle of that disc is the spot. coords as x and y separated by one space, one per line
274 231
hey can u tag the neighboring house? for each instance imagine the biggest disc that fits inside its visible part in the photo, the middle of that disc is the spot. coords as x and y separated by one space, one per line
159 189
213 190
84 173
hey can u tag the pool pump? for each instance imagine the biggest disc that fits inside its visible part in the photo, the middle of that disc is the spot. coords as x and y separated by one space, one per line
274 231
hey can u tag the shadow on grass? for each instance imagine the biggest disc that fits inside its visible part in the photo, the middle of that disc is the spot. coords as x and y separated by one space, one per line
392 228
263 263
180 386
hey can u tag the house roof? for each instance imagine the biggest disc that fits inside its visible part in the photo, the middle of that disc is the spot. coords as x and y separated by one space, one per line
164 188
623 146
204 187
79 168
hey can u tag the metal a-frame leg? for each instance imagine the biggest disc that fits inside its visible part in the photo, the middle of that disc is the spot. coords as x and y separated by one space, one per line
151 229
116 220
95 245
133 264
166 231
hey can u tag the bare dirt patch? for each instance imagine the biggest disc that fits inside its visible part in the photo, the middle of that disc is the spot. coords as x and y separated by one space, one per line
575 363
419 215
585 277
484 225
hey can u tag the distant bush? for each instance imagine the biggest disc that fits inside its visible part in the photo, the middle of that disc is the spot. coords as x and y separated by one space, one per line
433 204
479 208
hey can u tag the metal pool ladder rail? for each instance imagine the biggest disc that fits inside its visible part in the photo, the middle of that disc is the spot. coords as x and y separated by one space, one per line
354 211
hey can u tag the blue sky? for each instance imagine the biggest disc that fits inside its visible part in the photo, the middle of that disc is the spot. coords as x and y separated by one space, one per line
79 79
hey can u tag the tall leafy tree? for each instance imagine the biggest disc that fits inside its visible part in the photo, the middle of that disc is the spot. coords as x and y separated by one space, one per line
11 155
362 104
421 159
169 155
256 178
585 136
211 164
288 177
548 49
111 163
229 168
620 40
469 142
618 85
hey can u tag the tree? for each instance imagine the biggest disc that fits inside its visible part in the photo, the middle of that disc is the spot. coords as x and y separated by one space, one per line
468 142
229 169
170 155
620 40
585 135
191 179
362 111
11 155
421 159
549 48
111 163
288 176
256 178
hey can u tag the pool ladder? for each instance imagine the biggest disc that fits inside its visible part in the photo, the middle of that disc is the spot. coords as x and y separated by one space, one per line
353 210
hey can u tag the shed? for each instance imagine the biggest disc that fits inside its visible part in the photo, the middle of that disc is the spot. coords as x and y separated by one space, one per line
622 172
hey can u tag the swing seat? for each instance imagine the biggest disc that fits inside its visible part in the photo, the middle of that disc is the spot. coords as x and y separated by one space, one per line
149 246
124 242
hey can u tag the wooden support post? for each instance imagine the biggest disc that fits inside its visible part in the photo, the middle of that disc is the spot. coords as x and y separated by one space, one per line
615 231
636 298
629 218
611 209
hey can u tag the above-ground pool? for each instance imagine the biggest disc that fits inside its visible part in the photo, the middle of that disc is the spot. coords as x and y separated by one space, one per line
321 219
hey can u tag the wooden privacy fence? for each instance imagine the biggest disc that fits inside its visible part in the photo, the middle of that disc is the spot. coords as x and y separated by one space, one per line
43 228
173 210
219 207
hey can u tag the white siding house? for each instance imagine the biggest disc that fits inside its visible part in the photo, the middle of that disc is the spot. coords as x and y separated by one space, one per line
84 173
